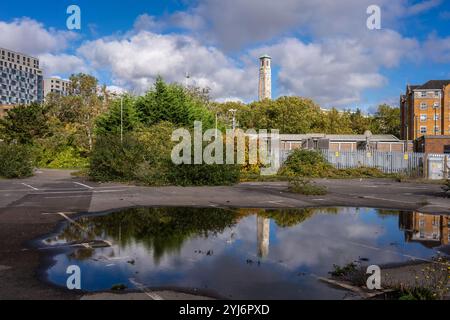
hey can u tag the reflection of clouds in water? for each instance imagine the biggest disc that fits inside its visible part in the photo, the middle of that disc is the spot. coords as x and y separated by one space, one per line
322 240
312 246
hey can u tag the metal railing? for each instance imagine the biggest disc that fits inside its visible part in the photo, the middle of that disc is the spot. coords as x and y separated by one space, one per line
410 164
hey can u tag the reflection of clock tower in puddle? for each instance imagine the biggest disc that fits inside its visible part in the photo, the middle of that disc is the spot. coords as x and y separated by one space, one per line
263 233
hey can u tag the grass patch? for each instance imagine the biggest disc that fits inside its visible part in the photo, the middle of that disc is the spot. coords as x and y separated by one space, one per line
306 187
352 272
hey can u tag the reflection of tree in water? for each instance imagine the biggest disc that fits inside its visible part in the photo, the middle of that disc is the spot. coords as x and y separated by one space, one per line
161 229
286 218
164 230
385 213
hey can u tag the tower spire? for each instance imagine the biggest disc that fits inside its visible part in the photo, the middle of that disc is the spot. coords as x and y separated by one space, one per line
265 77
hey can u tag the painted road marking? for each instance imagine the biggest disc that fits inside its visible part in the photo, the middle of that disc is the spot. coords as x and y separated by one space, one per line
64 215
65 197
141 287
84 185
77 191
31 187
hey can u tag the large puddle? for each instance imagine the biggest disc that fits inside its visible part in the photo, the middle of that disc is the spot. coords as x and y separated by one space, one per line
241 253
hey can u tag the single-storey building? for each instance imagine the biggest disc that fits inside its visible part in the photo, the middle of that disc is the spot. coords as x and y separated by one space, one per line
433 144
344 142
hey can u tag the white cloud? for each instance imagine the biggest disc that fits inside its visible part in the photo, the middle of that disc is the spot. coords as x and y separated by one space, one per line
234 24
423 7
29 36
62 64
437 49
335 72
116 90
146 22
135 61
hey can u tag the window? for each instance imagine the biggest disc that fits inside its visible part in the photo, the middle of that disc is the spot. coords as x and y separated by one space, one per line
436 105
423 130
423 117
423 106
436 129
436 117
437 93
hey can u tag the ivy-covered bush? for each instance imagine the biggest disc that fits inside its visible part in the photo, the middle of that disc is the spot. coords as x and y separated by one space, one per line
145 157
16 161
306 163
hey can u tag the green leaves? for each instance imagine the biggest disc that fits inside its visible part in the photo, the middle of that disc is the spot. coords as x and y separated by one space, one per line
172 103
25 123
16 161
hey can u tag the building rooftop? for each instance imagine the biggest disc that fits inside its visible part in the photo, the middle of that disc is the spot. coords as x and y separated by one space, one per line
432 84
265 56
338 137
19 53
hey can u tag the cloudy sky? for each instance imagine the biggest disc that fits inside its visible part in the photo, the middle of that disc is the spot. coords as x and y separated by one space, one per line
321 48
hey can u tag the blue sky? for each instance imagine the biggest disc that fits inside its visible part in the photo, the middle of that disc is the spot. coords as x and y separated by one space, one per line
321 49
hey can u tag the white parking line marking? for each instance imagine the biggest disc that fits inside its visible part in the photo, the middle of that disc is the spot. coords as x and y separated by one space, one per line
76 191
64 215
83 185
31 187
81 196
141 287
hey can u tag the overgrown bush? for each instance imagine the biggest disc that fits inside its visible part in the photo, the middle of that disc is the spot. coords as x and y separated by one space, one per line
196 175
113 159
16 161
61 158
145 157
311 164
306 163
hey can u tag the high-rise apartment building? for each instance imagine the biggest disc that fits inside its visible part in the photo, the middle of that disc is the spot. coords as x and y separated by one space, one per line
265 78
21 79
57 86
425 110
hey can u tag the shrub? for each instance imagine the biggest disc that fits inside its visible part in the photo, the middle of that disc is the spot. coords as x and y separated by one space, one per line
360 172
203 174
306 187
16 161
306 163
62 158
113 160
145 157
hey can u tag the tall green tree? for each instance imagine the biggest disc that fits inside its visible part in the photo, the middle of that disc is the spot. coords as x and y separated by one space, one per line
172 103
80 109
25 123
122 112
359 122
386 120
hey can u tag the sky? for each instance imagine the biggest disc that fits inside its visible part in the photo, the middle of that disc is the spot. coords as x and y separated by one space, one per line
321 49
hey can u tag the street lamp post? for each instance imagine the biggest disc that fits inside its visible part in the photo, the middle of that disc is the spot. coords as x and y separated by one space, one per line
435 120
121 120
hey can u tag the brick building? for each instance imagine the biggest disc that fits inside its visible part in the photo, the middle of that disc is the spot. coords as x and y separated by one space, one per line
428 229
433 144
425 110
